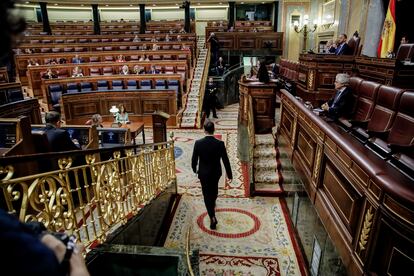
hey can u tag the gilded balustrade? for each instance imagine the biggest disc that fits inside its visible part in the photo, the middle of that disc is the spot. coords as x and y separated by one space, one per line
92 199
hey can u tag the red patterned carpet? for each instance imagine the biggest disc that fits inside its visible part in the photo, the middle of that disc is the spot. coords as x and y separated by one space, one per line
252 236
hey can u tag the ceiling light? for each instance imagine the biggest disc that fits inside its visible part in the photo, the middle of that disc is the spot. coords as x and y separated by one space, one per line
262 2
221 3
27 2
82 5
242 3
176 4
56 4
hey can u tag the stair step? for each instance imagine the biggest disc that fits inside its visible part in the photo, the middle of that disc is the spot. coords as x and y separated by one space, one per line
264 139
265 163
266 187
265 177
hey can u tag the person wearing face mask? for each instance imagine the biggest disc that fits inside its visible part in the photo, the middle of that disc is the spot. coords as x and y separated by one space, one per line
210 99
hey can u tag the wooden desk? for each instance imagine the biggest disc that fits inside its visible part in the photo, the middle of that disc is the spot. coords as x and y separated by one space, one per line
317 74
263 102
246 41
42 59
385 71
365 204
79 107
134 127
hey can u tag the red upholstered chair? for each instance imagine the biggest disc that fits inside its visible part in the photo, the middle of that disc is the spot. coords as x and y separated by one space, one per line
383 114
109 58
367 95
95 72
354 84
107 71
399 144
94 59
405 52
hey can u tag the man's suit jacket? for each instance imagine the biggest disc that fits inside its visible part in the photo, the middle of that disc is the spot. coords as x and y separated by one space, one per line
59 139
207 153
344 50
340 104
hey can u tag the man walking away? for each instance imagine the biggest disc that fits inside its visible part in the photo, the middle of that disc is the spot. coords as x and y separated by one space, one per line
207 154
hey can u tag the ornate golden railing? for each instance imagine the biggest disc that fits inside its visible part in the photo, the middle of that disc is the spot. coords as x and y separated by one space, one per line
92 199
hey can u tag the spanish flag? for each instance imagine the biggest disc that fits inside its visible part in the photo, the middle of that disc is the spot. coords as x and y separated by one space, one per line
386 43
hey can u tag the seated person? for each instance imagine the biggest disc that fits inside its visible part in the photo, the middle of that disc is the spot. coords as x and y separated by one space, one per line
77 59
138 70
231 29
155 47
49 75
32 62
136 39
95 120
153 70
62 60
122 116
182 31
178 37
124 70
342 47
154 39
120 58
143 47
77 72
339 104
167 38
171 31
59 139
330 47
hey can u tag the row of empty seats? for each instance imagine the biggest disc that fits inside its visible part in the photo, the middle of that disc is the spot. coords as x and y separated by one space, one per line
383 119
56 90
115 47
97 40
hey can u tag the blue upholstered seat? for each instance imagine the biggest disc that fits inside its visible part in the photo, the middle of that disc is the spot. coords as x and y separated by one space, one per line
72 87
117 85
102 85
145 84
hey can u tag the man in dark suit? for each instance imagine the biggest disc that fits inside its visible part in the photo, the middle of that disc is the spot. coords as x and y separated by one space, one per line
339 104
343 47
207 154
210 99
59 139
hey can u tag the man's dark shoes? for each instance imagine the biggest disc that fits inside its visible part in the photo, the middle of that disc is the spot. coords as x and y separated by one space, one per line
213 224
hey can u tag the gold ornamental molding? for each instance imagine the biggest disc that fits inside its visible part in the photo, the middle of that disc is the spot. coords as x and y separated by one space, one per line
366 229
90 200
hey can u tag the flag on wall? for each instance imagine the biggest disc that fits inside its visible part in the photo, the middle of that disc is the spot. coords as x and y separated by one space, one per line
386 43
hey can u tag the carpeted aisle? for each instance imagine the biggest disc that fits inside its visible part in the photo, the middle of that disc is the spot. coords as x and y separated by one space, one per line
252 236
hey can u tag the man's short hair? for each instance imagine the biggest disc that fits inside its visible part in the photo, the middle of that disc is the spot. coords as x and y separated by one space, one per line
209 127
52 117
342 78
345 36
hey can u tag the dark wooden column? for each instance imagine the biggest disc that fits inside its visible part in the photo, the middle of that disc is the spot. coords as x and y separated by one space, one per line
232 11
275 15
187 16
45 18
143 22
96 19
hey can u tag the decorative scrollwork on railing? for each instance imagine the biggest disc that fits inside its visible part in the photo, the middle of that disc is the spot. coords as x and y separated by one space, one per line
89 200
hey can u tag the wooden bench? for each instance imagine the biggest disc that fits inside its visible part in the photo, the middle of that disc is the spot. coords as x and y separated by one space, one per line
105 38
28 107
100 56
35 73
10 92
77 108
85 135
52 89
15 136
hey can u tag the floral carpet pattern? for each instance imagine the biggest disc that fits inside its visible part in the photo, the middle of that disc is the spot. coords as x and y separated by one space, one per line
252 237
